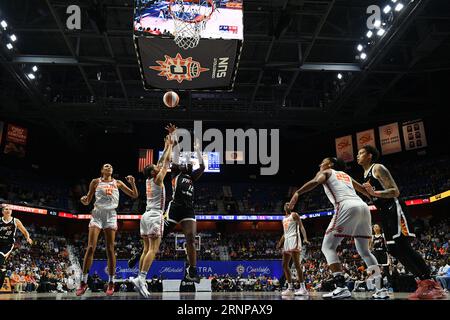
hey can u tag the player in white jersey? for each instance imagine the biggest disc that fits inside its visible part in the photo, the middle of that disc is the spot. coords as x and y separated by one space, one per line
351 219
152 221
292 246
104 217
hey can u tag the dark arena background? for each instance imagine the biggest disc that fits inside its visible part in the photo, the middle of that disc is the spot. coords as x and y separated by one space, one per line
82 85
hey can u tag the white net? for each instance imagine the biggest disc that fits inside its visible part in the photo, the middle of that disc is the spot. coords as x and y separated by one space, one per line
190 18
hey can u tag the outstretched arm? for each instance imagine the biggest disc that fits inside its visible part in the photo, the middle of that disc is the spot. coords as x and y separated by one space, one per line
165 161
133 192
388 183
320 178
88 198
196 174
23 230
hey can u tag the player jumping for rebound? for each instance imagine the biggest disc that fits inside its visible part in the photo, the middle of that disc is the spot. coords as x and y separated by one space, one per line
152 221
292 246
351 219
104 217
381 186
8 228
181 209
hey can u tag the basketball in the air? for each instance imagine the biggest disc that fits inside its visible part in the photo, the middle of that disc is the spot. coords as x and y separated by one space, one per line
171 99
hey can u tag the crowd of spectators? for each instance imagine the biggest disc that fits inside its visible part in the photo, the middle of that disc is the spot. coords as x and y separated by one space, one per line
43 266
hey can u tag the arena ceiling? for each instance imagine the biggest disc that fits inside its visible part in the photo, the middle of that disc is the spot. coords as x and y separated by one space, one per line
293 50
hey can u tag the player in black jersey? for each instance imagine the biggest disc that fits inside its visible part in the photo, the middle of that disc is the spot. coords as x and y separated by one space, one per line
8 228
395 222
181 208
379 249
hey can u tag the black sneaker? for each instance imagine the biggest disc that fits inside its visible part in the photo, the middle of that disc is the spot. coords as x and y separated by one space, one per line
133 260
191 274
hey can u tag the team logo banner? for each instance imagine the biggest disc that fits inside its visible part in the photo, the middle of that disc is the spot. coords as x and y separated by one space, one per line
344 148
211 65
414 135
390 138
365 138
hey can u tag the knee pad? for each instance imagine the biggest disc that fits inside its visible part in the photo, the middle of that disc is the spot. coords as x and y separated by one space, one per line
330 254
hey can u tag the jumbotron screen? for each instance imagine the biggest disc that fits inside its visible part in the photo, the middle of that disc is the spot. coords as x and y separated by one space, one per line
152 18
210 159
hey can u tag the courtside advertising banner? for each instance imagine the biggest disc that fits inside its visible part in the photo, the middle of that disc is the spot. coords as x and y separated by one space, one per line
414 135
210 65
390 138
344 148
175 269
364 138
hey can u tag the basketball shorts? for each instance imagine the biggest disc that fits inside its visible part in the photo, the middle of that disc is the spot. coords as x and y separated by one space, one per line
152 224
177 213
352 219
381 256
395 222
104 219
292 244
5 249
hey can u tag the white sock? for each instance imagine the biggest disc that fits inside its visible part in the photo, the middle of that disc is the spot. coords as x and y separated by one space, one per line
111 278
290 286
142 275
302 285
85 277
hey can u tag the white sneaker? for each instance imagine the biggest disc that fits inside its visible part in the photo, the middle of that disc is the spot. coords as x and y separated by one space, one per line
338 293
381 294
141 287
301 292
288 292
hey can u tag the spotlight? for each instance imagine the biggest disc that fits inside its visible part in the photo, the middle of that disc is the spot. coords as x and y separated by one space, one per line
3 24
387 9
35 68
369 34
360 47
399 7
31 76
381 32
363 56
9 46
13 38
377 23
339 76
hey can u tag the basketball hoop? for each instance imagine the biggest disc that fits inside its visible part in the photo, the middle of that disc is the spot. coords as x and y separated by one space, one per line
190 18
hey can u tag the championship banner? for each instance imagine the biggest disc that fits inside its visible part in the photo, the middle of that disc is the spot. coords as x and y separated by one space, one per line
175 269
365 138
16 139
390 138
344 148
210 65
414 135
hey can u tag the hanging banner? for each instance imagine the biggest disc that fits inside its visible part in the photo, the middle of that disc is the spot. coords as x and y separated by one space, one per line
16 140
364 138
414 135
390 138
344 148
